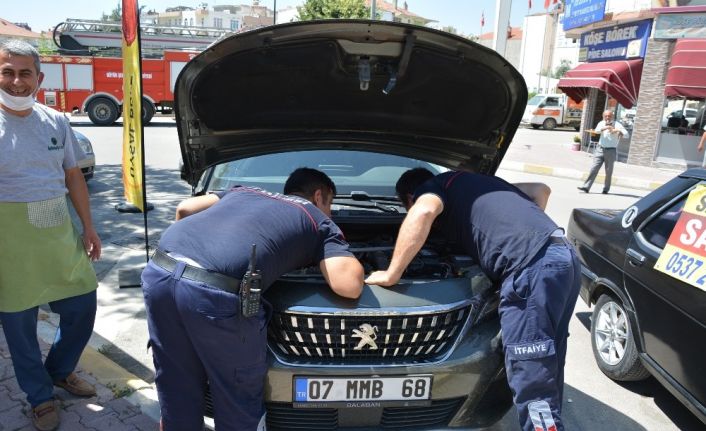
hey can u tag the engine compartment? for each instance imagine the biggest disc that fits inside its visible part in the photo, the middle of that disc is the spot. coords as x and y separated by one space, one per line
373 244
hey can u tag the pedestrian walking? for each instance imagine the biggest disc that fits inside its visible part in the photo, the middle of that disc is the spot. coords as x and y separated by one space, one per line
517 246
606 151
43 259
207 321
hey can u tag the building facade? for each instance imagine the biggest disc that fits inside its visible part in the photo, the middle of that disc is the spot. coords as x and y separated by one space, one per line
644 59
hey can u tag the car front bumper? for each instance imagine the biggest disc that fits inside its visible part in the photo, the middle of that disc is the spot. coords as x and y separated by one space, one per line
469 390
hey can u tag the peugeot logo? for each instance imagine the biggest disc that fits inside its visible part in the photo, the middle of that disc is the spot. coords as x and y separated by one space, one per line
367 334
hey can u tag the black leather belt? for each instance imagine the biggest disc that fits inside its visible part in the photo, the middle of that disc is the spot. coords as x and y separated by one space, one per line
211 278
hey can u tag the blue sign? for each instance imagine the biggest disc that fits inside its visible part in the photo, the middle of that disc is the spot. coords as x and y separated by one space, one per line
578 13
616 43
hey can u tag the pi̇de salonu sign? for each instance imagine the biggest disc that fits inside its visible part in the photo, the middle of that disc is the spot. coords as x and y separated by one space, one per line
684 256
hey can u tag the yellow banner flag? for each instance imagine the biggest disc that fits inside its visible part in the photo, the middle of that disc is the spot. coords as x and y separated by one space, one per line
133 164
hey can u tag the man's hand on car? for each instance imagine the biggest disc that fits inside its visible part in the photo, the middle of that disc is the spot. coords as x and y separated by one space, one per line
382 278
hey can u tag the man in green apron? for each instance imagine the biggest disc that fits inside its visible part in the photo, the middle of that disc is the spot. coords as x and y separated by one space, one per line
43 259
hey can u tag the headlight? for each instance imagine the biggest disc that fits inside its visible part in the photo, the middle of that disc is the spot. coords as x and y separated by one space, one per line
85 145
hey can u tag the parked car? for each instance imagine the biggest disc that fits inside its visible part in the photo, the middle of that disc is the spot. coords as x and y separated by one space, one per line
674 116
362 101
645 322
86 158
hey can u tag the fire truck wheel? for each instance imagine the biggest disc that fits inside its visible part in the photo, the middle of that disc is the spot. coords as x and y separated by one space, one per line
147 111
102 111
549 124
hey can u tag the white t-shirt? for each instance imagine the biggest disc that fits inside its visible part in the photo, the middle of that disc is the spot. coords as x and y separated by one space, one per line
34 151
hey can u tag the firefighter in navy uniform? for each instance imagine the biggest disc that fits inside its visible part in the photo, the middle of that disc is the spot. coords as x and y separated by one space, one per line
518 246
199 330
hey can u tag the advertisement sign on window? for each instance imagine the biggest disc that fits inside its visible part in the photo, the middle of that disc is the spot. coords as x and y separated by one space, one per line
616 43
578 13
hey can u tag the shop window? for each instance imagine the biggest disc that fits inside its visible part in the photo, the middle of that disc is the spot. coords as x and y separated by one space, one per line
682 125
683 116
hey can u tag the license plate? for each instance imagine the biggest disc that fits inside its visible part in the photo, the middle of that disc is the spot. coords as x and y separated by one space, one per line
347 389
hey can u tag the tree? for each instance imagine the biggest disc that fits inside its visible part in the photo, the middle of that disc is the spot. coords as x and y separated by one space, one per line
450 29
323 9
116 15
561 70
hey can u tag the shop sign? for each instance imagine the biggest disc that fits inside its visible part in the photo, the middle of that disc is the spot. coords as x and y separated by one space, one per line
680 25
578 13
616 43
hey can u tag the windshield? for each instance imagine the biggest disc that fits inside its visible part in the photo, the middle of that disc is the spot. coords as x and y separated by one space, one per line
536 100
351 171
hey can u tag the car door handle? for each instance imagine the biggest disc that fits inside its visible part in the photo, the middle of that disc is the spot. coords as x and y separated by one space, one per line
635 258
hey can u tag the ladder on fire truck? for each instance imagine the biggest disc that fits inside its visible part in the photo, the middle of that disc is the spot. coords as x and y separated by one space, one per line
79 35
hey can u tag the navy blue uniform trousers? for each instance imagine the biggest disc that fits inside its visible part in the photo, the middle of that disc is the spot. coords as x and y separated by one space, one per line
536 304
199 337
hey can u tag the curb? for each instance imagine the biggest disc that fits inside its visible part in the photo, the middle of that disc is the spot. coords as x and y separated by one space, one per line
579 175
108 373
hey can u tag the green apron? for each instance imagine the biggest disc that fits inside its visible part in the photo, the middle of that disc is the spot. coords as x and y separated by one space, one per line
42 258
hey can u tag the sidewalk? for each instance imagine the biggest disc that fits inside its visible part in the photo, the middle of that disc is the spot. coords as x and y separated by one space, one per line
123 402
128 402
549 153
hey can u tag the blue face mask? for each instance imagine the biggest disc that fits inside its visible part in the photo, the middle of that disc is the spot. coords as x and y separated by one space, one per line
16 103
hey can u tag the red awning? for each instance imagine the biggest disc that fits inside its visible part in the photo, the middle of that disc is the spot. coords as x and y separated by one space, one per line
620 79
687 71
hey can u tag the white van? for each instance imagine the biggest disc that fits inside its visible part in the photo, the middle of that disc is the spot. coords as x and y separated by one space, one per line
551 110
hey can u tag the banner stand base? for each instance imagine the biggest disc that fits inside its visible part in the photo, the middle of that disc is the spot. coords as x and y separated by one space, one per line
127 207
128 278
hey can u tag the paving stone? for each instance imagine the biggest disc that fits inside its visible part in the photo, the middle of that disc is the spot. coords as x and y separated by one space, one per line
71 421
109 422
123 408
7 403
143 423
88 409
14 418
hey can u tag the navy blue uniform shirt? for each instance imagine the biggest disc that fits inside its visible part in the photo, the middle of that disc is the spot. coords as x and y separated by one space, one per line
498 225
290 232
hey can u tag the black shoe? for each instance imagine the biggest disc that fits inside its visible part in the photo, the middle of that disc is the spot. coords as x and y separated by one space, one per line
583 189
605 192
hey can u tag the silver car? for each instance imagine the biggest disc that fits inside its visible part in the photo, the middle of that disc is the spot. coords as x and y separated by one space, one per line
85 158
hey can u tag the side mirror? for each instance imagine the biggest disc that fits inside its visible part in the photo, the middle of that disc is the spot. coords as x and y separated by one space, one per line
541 105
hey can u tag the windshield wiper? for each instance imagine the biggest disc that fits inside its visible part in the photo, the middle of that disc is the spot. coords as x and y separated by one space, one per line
359 196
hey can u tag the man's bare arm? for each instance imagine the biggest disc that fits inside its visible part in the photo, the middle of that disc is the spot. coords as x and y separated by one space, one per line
344 274
411 238
538 192
195 205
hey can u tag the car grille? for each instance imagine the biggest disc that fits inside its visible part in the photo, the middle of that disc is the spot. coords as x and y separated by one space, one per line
386 337
283 416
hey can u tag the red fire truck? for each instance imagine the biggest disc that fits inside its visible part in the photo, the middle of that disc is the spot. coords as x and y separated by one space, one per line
94 85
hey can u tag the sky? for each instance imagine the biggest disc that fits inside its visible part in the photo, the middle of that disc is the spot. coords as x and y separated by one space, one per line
464 15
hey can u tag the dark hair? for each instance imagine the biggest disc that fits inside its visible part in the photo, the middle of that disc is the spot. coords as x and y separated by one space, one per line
305 181
21 48
410 180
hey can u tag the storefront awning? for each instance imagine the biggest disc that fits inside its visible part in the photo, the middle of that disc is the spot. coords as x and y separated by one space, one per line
620 79
687 72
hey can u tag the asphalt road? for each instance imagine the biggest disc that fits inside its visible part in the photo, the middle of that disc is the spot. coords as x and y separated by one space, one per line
592 401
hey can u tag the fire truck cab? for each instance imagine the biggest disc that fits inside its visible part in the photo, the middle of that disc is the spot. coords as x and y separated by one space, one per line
94 85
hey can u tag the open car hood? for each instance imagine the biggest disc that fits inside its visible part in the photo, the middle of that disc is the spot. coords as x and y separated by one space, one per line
348 84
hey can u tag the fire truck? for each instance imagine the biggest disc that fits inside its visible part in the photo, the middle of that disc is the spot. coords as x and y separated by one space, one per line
94 85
